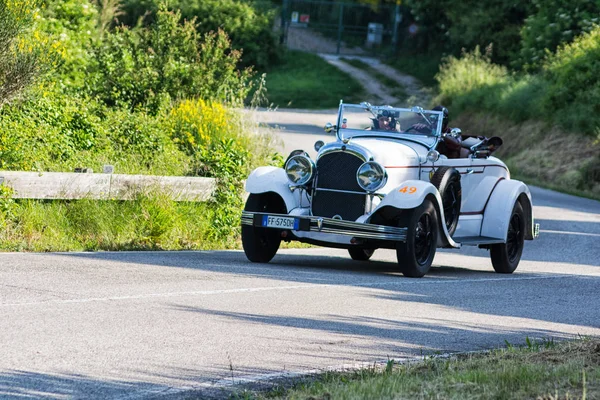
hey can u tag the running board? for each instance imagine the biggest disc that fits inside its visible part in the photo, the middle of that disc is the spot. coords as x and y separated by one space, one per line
477 240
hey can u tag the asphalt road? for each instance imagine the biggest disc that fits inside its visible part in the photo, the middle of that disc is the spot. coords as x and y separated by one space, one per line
138 325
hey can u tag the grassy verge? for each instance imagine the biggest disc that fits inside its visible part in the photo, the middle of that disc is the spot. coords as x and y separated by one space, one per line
542 370
147 223
394 87
424 67
304 80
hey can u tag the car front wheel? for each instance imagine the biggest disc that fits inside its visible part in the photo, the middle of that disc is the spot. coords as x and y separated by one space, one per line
416 254
506 256
261 244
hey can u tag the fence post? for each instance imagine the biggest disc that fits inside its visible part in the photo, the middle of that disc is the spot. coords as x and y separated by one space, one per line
397 20
340 28
283 21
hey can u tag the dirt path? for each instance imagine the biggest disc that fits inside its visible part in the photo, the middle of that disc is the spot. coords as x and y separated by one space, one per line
301 38
377 92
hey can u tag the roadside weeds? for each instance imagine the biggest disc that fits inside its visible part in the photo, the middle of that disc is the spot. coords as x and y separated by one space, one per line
539 369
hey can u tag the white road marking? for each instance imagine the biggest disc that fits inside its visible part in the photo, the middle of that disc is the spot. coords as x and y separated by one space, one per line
571 233
278 288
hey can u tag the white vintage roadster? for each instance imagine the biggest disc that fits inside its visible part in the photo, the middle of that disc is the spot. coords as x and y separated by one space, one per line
384 184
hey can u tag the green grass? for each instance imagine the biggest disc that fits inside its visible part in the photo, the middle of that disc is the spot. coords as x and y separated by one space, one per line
538 370
424 67
146 223
304 80
395 89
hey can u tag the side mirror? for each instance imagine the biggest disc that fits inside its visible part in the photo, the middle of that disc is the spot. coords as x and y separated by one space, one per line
329 127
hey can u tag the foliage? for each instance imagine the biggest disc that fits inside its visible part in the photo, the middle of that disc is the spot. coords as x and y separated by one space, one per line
555 22
24 52
51 131
247 24
305 80
149 66
573 74
451 26
424 67
566 93
71 25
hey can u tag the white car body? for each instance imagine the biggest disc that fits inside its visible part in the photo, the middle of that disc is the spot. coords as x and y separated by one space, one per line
489 195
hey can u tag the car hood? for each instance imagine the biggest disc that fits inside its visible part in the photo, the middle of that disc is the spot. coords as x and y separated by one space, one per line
393 153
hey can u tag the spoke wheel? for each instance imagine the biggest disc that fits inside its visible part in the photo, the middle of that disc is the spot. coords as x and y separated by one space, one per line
506 256
423 239
416 254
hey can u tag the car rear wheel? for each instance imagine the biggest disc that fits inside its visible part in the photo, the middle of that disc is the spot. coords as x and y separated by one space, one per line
506 256
359 254
416 254
447 182
261 244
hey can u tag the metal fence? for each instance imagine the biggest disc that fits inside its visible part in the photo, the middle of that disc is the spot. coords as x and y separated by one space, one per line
340 27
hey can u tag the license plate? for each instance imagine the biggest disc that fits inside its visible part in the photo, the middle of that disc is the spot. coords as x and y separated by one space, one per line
280 222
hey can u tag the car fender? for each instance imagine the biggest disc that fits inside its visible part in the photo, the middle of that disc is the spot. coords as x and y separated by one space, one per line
499 207
273 179
411 194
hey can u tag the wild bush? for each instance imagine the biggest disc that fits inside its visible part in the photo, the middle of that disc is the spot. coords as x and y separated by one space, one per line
24 50
554 23
451 26
573 74
149 66
250 27
71 25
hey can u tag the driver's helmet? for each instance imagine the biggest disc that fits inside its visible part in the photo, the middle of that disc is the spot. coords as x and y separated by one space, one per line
445 120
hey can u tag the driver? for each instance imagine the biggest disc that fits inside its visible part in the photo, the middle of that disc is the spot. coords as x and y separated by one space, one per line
385 121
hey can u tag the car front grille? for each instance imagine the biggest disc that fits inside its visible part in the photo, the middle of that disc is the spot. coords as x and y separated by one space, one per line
336 176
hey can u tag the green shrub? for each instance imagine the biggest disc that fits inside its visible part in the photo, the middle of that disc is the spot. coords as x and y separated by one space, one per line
248 25
554 22
451 26
24 51
71 26
149 66
573 74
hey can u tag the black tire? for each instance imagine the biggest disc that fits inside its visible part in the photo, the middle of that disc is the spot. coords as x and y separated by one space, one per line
447 182
261 244
416 254
506 256
359 254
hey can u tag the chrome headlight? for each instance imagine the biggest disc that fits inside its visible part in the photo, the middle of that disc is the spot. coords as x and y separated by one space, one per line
299 169
371 176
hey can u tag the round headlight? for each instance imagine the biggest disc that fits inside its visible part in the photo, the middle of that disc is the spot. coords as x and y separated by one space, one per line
299 169
371 176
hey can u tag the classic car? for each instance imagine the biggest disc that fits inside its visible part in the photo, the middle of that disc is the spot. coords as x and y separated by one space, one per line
385 182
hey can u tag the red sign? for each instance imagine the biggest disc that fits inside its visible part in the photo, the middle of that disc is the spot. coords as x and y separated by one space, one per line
304 18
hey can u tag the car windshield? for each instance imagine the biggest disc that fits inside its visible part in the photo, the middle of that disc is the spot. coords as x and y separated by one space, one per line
367 120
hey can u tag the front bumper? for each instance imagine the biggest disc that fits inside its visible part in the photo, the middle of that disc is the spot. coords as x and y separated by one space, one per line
332 226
